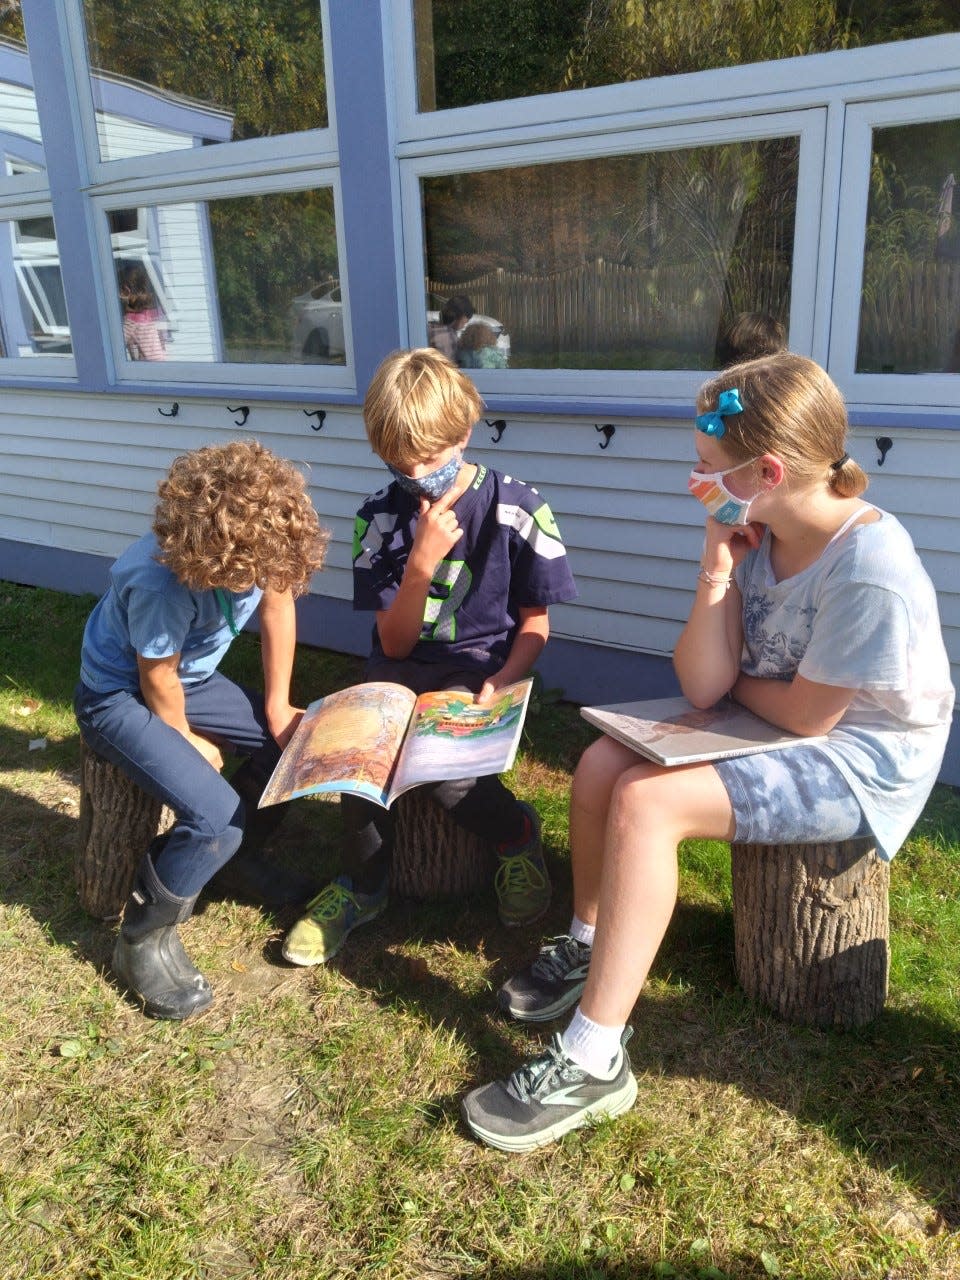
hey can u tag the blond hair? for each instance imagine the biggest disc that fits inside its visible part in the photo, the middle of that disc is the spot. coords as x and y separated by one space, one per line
418 404
791 408
237 516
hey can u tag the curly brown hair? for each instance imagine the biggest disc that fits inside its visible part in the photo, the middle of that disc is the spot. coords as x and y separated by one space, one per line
237 516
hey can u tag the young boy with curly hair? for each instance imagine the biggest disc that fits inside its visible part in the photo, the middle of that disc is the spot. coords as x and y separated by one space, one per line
234 532
459 564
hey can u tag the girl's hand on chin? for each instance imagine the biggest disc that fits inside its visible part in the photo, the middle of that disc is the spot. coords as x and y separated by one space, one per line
752 533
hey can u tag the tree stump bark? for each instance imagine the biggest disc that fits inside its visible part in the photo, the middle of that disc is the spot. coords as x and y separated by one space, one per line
432 856
812 928
117 822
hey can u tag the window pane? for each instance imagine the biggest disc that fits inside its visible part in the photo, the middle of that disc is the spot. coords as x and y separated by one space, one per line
248 280
910 309
629 262
192 72
19 124
471 51
33 309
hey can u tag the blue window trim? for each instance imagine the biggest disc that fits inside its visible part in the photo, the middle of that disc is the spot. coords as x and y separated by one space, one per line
66 165
361 68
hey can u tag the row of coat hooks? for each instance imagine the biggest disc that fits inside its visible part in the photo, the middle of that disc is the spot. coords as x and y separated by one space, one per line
497 425
244 411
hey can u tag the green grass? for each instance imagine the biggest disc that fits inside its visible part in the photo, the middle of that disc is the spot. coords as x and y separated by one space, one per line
307 1124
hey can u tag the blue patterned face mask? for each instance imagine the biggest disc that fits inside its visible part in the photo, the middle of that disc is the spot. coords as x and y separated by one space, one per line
434 484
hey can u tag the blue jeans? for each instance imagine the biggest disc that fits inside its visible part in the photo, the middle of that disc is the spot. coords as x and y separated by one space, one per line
210 815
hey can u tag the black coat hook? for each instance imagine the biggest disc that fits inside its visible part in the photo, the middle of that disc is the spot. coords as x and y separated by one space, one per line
884 444
244 412
608 430
319 414
499 425
174 410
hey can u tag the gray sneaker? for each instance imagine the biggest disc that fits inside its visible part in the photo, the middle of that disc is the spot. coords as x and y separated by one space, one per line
550 985
546 1098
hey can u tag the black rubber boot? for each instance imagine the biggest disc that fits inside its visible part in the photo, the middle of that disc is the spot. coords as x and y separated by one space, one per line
149 959
249 876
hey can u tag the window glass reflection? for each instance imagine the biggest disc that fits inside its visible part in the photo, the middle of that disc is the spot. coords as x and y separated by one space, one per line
33 309
251 280
626 262
193 72
470 51
910 306
19 123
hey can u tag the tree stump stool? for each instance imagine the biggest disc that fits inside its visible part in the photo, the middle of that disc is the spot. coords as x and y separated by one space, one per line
811 929
432 856
117 822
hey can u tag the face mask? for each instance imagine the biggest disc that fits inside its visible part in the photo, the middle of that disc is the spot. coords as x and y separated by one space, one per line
434 484
708 487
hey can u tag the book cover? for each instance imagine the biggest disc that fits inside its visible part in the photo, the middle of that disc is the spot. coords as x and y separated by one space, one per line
672 731
379 739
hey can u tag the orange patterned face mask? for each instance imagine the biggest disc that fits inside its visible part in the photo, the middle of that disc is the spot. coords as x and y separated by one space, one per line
708 487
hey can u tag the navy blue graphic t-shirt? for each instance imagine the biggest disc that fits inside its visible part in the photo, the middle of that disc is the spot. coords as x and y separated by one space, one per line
510 557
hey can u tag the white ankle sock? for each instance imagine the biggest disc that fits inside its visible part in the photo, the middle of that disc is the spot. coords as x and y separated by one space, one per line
582 932
594 1048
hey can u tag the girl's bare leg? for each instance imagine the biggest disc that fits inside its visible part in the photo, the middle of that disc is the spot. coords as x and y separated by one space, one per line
651 810
600 769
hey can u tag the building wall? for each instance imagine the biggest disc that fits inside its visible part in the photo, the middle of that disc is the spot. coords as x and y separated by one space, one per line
80 474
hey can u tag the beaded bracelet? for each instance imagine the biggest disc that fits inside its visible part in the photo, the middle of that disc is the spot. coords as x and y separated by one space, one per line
713 579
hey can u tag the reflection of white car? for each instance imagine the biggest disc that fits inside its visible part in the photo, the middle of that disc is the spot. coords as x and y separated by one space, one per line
435 303
318 321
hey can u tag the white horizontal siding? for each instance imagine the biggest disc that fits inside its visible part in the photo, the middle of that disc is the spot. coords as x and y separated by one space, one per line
80 473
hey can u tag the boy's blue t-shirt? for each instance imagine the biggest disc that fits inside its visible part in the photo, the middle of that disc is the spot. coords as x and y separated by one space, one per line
509 557
148 611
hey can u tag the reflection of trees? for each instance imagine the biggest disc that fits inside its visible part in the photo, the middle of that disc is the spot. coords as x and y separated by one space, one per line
639 39
262 61
267 249
489 50
910 309
11 20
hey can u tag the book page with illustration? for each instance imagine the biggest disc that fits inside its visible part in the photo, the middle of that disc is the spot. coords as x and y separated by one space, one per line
451 737
347 741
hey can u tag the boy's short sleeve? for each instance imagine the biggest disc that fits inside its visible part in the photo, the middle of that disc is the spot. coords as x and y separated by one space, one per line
158 625
541 571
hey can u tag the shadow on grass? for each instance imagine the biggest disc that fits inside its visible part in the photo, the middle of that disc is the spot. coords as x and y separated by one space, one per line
889 1091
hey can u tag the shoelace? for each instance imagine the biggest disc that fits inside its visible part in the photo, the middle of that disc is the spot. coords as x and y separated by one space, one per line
329 904
536 1076
516 874
557 958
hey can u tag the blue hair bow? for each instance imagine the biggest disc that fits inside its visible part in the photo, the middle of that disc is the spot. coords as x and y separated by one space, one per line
712 424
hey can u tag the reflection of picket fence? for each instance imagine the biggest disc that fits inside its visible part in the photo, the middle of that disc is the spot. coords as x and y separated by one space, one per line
601 305
910 323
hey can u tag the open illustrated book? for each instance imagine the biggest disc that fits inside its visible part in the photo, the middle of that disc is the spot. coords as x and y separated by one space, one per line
673 731
379 739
